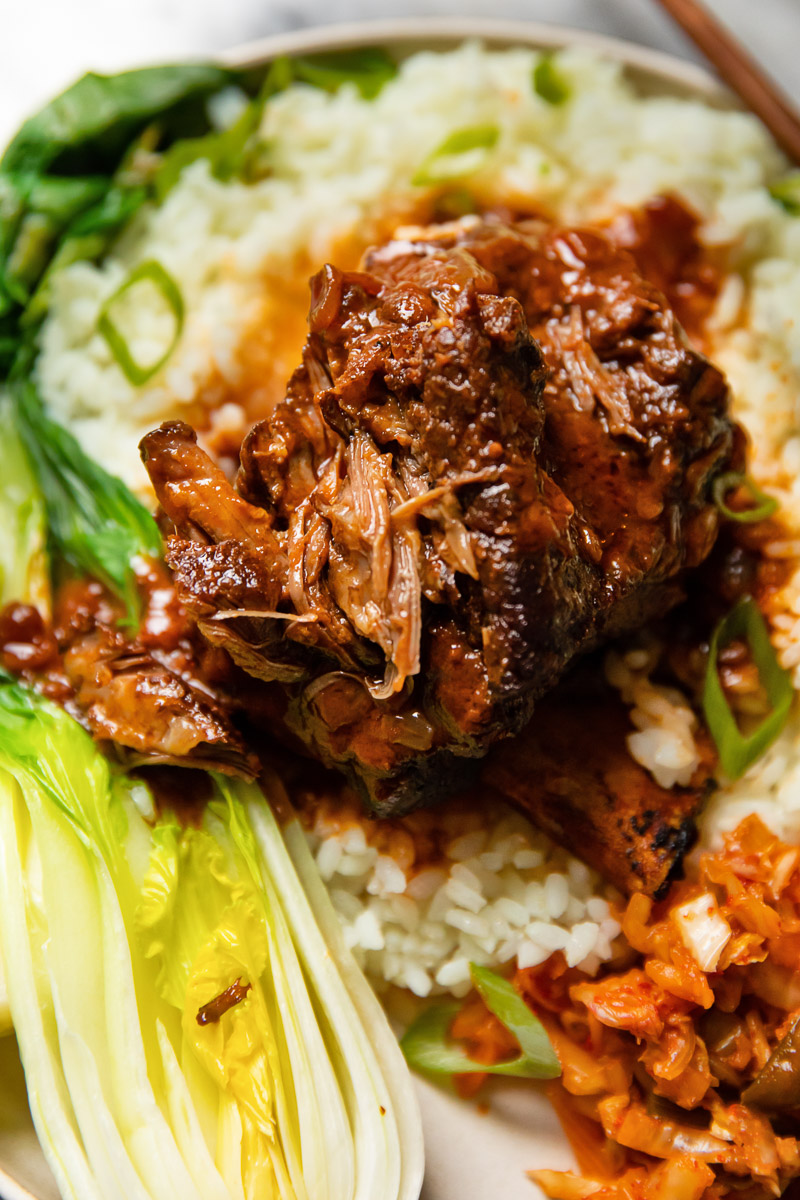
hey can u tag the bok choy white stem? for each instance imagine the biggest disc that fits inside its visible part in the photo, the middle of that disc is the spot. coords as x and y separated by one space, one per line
118 927
24 569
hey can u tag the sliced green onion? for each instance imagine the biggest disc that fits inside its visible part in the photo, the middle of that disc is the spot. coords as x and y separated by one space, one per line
502 998
763 507
477 137
787 193
736 751
368 67
461 153
136 373
455 202
230 152
428 1046
549 83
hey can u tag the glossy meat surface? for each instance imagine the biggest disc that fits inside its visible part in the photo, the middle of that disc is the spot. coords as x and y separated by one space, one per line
571 773
497 453
158 695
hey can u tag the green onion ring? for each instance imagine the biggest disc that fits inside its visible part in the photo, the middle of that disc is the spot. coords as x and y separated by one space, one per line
765 506
133 371
737 752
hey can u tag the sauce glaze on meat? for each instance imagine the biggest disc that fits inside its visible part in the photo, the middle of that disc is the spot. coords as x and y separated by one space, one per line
496 454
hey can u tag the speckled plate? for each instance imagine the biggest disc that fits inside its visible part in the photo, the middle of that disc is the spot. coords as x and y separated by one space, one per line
467 1149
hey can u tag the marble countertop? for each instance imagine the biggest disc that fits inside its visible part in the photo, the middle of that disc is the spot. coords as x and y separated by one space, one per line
47 43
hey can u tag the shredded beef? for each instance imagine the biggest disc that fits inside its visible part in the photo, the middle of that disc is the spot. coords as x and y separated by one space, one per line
159 695
496 454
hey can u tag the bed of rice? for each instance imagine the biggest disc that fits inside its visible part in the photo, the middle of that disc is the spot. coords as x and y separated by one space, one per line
502 891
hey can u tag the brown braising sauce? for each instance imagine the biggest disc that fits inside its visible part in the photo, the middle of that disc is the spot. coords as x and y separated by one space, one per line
662 236
272 344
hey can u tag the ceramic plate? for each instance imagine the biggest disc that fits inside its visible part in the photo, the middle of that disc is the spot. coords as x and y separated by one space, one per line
466 1145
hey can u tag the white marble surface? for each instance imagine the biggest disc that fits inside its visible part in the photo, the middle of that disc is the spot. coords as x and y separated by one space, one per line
47 43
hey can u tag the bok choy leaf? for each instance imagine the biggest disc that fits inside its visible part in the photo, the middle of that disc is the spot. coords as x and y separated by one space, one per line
119 926
90 123
24 572
69 180
94 522
78 170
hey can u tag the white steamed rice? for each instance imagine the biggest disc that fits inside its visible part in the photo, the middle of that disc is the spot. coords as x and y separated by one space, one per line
338 164
500 892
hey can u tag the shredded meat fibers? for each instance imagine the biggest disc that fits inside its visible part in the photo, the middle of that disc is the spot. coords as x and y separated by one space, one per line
497 453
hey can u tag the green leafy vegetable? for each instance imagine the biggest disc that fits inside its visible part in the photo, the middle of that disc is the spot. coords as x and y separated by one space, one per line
234 151
94 522
86 238
428 1046
738 751
461 153
154 273
78 171
787 193
97 117
118 926
24 571
34 210
763 507
549 82
228 151
368 67
325 955
69 181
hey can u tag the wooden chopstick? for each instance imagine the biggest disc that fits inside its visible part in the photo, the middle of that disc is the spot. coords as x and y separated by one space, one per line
740 72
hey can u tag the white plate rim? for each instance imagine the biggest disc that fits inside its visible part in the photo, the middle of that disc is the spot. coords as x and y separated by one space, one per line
407 33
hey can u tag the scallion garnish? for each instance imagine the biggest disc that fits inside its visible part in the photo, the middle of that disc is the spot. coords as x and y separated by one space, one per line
428 1046
152 271
738 751
764 506
786 192
461 153
368 67
549 83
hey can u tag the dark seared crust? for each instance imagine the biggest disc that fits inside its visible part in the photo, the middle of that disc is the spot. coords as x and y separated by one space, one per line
571 773
496 455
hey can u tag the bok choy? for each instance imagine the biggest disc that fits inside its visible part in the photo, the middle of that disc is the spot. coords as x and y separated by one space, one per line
119 926
78 170
95 523
24 573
